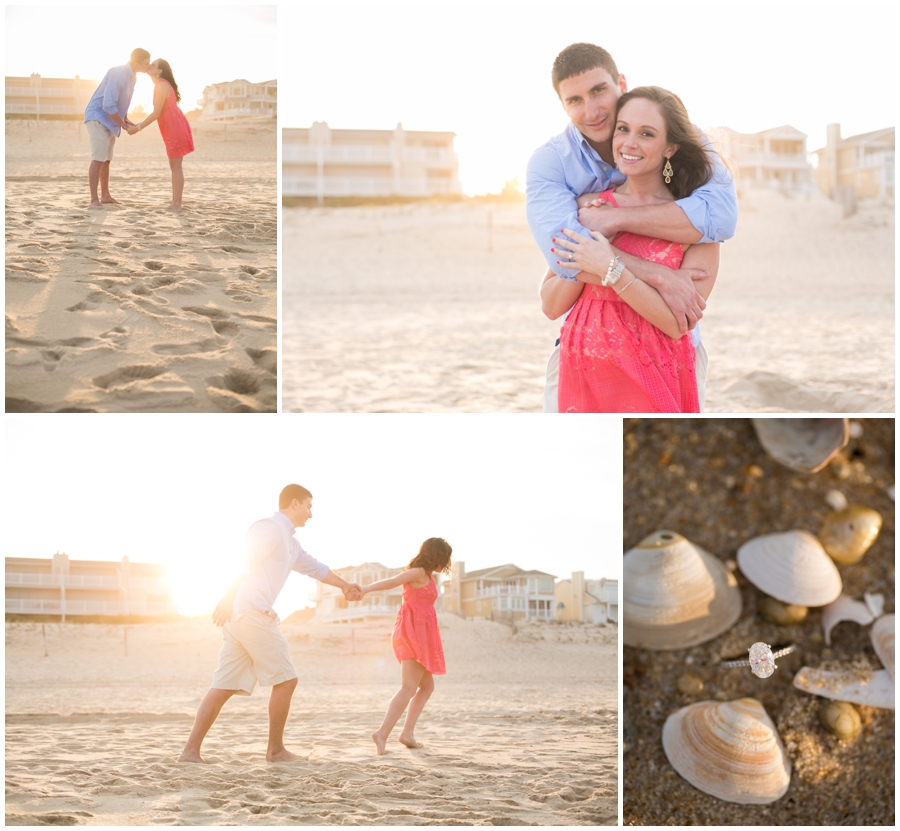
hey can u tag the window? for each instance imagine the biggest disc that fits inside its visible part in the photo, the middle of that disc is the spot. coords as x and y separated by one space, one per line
546 584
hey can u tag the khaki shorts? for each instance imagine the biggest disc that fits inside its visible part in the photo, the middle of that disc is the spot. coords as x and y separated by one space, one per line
102 141
254 651
551 384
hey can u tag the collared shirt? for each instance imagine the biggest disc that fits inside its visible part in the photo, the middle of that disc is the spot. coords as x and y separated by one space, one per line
272 554
112 96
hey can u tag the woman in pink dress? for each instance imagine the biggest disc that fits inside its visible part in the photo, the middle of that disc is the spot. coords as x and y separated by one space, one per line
416 639
173 125
621 350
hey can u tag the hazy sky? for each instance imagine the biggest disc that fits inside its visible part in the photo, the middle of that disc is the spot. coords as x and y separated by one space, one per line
482 69
183 490
203 44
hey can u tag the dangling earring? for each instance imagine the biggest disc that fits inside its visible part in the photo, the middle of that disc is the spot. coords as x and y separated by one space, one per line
668 172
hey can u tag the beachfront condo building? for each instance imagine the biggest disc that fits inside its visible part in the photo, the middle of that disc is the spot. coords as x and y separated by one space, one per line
64 587
49 98
504 592
774 158
331 607
238 100
587 601
319 163
863 163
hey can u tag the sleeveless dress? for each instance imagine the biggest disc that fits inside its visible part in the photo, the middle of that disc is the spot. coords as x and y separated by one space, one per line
174 127
612 360
416 634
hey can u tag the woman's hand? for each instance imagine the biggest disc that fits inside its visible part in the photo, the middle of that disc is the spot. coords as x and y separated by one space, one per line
591 254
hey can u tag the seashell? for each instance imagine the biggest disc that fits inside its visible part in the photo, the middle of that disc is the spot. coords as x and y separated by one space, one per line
882 635
784 614
846 535
844 608
729 749
836 500
802 444
676 595
791 567
875 602
840 718
875 689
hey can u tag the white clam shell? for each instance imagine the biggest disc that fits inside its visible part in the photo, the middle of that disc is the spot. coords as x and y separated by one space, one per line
876 690
729 749
675 594
791 567
882 635
802 444
875 602
844 608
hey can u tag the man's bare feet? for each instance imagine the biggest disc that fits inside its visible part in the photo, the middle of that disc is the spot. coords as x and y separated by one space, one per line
108 200
410 742
379 742
174 208
96 204
191 756
284 756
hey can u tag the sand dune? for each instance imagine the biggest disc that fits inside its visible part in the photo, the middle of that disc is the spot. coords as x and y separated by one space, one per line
131 308
522 730
425 308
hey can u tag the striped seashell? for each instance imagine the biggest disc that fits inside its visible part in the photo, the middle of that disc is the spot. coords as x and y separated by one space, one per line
791 567
729 749
802 444
882 635
675 594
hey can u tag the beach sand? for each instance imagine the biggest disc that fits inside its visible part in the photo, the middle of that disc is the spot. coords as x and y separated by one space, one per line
425 308
522 730
130 307
710 481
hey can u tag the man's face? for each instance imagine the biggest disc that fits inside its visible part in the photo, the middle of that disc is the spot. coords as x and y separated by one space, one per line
302 511
590 100
143 66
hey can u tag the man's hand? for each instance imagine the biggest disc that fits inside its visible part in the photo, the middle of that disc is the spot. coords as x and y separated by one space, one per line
132 129
223 610
601 218
129 122
352 592
686 303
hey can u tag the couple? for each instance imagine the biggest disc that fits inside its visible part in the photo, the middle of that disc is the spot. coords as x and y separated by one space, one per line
255 651
627 206
107 114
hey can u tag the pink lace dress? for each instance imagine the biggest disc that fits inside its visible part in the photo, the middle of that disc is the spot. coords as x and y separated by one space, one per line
174 127
611 360
416 634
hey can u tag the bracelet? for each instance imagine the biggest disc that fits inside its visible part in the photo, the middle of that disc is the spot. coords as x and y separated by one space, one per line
626 286
613 273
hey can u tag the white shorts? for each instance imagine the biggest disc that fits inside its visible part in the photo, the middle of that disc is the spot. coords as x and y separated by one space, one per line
254 651
551 384
102 141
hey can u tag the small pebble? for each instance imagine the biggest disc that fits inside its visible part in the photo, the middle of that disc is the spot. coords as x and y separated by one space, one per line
835 499
690 683
754 471
784 614
840 718
856 430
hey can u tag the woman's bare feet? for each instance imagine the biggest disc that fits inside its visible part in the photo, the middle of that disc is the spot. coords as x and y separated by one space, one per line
379 742
108 200
174 208
191 756
284 756
410 742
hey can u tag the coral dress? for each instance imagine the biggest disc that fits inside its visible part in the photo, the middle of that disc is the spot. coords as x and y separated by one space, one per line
174 127
416 634
611 360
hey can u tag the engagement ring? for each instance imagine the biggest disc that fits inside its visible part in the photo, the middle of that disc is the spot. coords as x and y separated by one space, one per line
762 659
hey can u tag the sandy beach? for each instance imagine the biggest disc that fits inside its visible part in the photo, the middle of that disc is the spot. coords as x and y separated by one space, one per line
133 308
522 730
710 481
426 308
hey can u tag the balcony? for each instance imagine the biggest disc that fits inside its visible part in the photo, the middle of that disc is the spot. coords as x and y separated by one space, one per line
368 186
87 607
45 109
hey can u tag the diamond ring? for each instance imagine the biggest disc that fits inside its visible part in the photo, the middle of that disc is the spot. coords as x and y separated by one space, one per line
762 659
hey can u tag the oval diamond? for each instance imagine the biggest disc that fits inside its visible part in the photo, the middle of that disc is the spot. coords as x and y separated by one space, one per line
762 662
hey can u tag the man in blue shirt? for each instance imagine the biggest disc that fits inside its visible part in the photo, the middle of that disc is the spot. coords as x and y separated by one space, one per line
105 116
580 160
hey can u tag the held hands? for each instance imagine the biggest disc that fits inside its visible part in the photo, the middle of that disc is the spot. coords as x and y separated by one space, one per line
584 253
353 592
132 129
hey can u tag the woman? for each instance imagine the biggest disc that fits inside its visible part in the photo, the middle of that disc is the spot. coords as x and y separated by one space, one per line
620 348
173 125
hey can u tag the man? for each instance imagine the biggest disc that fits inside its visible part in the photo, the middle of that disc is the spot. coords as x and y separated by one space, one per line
580 160
105 116
254 650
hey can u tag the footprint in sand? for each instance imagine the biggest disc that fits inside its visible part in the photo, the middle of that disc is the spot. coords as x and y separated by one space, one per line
233 249
126 374
249 269
196 348
154 265
217 318
265 359
123 244
91 302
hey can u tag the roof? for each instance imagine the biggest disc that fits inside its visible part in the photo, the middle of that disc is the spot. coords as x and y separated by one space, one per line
860 138
491 572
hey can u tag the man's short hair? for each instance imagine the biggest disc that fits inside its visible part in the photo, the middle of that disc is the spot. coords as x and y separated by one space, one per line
139 56
290 493
581 57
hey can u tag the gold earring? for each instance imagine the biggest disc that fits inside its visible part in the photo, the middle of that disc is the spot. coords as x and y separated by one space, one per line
668 172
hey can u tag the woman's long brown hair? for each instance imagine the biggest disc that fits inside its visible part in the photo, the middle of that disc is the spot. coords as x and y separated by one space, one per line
434 555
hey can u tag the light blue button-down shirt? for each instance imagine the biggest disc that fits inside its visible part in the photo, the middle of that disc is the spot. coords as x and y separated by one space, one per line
112 96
